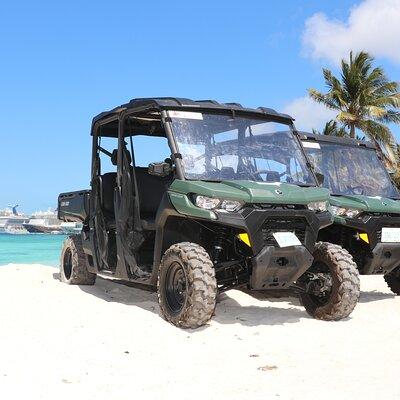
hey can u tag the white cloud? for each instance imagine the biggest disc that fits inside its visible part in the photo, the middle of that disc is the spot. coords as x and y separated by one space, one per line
308 113
373 26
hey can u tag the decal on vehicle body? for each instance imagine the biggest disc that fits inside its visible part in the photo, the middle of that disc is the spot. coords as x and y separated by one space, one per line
185 114
311 145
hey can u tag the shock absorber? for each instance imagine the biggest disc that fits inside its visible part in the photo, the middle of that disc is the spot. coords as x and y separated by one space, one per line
218 249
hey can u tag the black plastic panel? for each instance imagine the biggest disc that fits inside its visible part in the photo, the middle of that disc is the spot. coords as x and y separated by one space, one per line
74 206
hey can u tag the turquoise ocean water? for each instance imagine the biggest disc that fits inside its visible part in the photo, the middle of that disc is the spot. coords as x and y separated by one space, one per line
31 248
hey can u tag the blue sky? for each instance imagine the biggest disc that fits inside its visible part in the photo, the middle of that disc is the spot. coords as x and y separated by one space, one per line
64 62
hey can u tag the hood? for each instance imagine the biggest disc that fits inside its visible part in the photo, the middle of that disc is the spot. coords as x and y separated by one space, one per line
253 192
367 203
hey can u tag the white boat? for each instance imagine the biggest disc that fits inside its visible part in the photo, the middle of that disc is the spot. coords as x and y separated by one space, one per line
15 230
43 222
11 221
71 228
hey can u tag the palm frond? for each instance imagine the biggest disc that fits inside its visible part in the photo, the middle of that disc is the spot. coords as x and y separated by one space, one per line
323 99
364 96
376 112
390 116
331 129
346 117
377 132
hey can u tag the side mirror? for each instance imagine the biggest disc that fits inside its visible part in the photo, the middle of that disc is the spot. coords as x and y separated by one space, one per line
161 168
320 178
114 157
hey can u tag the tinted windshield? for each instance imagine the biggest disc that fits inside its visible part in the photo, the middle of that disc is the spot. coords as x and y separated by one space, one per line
220 147
350 169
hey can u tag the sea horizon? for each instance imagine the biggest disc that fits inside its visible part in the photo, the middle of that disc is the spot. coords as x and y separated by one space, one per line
30 249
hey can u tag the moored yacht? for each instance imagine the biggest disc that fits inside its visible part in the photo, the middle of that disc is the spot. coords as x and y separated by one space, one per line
43 222
11 221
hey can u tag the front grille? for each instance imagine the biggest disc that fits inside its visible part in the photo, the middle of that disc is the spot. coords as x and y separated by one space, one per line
269 206
297 225
380 215
379 235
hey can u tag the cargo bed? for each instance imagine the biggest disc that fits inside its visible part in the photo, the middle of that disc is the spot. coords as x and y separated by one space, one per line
74 206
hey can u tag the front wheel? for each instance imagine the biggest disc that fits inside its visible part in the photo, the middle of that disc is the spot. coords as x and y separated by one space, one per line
393 280
187 288
332 283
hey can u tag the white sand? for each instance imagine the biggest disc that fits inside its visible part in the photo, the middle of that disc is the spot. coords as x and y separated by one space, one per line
108 341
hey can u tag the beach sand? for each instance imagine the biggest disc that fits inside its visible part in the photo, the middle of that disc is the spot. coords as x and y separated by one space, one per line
108 341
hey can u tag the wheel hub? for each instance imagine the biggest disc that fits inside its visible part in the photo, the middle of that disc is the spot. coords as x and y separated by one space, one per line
176 286
320 284
67 263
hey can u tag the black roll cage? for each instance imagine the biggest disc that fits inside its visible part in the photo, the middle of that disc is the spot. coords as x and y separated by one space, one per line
336 140
120 118
118 115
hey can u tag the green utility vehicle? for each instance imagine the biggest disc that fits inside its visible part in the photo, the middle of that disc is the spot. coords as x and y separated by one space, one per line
234 204
364 201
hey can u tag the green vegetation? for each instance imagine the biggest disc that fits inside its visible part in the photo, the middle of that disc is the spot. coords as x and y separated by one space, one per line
331 128
366 100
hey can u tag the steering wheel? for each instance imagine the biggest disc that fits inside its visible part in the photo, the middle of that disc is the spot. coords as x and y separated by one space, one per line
351 190
265 171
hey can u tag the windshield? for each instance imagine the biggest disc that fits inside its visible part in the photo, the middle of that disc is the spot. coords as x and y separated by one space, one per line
350 170
221 147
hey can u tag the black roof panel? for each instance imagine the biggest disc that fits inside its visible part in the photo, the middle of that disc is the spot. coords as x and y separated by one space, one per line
161 103
335 139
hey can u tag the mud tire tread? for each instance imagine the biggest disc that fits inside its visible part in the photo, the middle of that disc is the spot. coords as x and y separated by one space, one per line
393 281
346 284
202 285
79 274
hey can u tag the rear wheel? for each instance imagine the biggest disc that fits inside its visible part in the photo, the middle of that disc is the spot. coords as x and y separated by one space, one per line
393 280
187 288
73 269
332 283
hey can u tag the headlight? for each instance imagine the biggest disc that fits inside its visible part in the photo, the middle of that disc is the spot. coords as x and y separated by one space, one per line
344 212
208 203
230 205
318 206
211 203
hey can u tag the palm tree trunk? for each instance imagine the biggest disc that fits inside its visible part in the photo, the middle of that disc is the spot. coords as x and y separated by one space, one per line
352 131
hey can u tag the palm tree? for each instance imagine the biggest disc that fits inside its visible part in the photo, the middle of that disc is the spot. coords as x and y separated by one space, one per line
331 129
364 98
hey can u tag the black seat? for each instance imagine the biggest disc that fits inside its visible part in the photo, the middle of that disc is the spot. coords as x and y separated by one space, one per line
108 184
151 191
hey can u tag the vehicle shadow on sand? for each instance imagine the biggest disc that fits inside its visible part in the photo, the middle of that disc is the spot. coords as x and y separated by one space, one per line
113 291
228 310
374 295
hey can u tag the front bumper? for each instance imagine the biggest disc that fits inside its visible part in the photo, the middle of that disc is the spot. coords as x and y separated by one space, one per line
260 223
273 267
372 225
381 257
385 258
278 268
